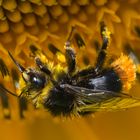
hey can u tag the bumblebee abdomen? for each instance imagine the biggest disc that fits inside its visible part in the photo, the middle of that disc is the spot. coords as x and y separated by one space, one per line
118 77
109 81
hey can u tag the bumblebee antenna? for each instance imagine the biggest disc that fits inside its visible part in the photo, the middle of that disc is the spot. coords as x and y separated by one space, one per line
21 68
4 89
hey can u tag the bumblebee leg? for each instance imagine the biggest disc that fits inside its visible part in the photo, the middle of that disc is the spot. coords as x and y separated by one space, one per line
85 73
42 66
70 54
70 57
105 34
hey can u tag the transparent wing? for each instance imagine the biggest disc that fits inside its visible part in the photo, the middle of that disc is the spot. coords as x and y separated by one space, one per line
113 104
100 100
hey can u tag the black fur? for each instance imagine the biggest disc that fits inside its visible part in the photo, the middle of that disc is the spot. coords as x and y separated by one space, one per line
61 101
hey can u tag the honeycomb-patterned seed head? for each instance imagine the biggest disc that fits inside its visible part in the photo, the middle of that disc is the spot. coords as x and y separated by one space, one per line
53 15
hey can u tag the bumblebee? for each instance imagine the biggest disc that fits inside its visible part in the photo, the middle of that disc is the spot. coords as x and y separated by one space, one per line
66 91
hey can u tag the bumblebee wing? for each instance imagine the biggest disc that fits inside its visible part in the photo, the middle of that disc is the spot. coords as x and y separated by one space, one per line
113 104
91 95
101 100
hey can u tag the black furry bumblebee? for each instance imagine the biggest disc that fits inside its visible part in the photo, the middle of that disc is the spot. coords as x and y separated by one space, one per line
69 91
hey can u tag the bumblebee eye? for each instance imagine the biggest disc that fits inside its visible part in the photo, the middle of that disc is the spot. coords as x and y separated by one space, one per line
37 79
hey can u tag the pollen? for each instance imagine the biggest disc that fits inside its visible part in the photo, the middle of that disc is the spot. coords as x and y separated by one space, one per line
126 70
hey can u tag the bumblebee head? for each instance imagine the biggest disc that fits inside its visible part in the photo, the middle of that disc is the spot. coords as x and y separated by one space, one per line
32 76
